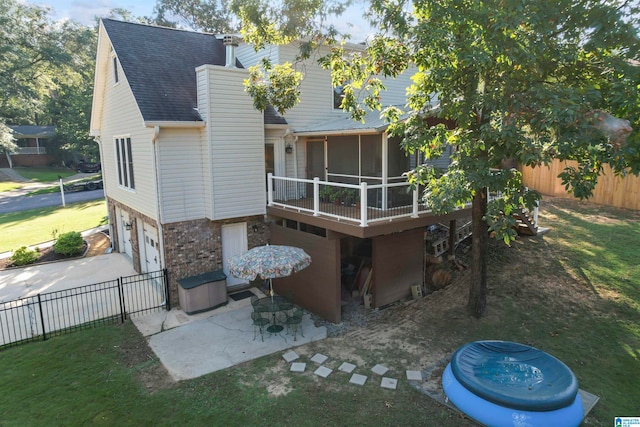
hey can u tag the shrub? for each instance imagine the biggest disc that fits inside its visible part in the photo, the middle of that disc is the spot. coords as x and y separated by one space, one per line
24 256
68 244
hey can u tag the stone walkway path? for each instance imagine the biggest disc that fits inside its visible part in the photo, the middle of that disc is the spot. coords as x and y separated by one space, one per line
378 371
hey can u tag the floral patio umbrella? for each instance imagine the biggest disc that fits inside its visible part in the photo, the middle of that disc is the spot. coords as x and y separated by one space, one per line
268 262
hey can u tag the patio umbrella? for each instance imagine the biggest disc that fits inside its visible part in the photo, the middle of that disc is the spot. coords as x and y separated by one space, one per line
268 262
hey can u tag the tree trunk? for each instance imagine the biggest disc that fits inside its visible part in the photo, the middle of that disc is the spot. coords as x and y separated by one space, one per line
478 287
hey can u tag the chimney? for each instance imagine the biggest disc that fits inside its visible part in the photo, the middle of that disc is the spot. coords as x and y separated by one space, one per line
230 43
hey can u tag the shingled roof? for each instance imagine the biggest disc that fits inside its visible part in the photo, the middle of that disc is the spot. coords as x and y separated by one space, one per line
159 64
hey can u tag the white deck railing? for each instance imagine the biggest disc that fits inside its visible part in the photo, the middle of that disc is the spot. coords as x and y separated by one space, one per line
361 204
31 150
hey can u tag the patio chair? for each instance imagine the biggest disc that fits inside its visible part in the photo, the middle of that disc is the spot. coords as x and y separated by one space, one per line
259 322
255 303
295 322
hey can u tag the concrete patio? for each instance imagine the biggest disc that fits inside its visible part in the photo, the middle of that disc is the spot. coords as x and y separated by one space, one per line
190 346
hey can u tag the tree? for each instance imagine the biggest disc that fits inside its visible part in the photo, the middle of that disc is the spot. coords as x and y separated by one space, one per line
68 106
7 144
212 16
524 81
46 75
28 55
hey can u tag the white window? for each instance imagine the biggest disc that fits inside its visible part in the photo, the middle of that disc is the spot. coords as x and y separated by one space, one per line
125 162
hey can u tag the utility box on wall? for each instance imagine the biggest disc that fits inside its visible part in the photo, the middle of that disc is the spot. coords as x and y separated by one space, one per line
203 292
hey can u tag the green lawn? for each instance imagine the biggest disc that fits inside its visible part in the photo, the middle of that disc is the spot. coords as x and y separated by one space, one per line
44 174
37 175
35 226
572 292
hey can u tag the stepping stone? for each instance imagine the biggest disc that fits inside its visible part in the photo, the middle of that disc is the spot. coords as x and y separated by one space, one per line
290 356
347 367
298 367
379 369
319 358
323 371
390 383
358 379
414 375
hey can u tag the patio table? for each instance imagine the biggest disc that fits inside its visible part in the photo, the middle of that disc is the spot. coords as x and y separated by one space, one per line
273 305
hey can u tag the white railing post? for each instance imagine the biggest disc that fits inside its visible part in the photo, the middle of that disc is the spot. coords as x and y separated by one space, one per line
269 189
414 214
316 196
363 205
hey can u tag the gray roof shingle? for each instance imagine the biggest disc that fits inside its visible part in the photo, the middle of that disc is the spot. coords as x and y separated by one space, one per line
159 64
28 131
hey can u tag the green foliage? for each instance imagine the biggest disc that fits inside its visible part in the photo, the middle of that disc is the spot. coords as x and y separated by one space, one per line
525 82
528 84
276 85
206 15
69 243
7 143
24 256
46 76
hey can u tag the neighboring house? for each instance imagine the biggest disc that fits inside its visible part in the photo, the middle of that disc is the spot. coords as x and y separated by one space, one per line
194 174
32 146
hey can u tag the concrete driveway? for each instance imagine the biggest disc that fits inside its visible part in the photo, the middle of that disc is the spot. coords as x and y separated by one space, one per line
27 281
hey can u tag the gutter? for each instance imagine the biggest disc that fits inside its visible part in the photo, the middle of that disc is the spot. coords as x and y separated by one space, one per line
173 124
154 140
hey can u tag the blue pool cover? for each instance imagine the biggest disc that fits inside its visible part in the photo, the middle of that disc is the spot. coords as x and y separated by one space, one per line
514 375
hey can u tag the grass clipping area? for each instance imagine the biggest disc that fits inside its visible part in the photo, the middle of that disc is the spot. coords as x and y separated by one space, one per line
572 292
36 226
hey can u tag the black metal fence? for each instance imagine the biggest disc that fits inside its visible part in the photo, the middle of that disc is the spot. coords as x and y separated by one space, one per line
41 316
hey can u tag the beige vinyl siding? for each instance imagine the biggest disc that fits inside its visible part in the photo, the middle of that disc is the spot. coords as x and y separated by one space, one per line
236 138
181 174
249 57
122 118
205 136
316 99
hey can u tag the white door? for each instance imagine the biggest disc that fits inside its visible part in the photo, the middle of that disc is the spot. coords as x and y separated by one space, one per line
150 249
124 233
234 241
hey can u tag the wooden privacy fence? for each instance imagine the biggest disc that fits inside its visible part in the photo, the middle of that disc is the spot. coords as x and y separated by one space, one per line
610 190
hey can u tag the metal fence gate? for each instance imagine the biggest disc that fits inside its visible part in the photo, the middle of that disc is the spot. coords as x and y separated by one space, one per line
41 316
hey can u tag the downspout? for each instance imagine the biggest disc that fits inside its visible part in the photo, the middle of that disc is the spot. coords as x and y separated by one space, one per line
104 187
154 139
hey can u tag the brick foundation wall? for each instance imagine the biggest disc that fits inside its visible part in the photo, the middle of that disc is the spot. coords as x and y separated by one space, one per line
195 247
190 247
136 220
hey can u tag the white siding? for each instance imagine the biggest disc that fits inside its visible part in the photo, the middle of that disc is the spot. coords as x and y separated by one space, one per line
181 174
121 117
316 99
249 57
236 138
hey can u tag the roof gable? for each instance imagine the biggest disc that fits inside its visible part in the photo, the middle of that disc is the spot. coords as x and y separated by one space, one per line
159 64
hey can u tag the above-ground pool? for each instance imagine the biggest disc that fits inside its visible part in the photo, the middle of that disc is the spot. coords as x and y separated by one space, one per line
501 383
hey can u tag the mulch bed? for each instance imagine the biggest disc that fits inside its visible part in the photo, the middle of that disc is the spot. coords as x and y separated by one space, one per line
46 255
97 243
